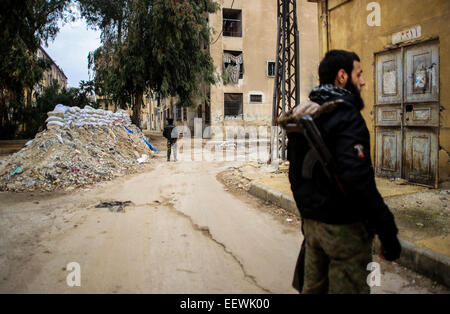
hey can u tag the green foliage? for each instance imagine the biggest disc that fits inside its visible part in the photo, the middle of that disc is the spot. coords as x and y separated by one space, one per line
12 117
54 94
34 117
151 45
180 62
110 16
104 62
24 25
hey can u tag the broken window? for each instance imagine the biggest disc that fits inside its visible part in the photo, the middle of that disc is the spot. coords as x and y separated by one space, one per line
270 68
233 108
232 23
233 66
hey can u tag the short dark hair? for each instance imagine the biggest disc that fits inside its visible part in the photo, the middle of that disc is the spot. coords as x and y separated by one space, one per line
170 120
333 61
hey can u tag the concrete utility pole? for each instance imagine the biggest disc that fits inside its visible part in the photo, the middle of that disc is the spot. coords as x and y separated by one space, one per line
286 92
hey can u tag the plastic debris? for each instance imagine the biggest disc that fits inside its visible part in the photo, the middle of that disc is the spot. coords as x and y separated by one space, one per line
15 171
151 147
143 158
129 131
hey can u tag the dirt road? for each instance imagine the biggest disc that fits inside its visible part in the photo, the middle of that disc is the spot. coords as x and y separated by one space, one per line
181 234
184 232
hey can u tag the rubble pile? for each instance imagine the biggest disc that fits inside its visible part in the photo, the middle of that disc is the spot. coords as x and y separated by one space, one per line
79 147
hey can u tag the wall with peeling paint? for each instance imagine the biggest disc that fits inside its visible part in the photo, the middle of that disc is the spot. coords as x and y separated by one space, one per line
345 26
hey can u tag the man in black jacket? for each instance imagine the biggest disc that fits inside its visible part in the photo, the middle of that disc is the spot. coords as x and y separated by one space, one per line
170 134
339 223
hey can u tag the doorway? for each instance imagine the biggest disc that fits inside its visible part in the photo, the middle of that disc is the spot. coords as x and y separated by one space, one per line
407 113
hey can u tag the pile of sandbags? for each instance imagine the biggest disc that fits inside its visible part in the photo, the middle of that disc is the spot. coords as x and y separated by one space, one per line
69 117
79 148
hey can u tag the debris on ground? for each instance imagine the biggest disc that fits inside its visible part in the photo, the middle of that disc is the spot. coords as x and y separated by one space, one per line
142 159
79 147
114 206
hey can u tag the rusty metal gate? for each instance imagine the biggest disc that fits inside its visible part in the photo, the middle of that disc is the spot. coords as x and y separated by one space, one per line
407 113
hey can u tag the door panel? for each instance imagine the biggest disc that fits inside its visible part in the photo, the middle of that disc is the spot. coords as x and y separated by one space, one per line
422 115
389 115
420 155
422 73
389 78
389 146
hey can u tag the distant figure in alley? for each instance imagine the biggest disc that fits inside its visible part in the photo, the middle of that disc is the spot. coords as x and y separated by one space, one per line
171 135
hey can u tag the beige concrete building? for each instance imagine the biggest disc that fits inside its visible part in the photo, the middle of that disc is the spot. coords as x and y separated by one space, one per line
249 34
55 73
404 47
243 49
153 111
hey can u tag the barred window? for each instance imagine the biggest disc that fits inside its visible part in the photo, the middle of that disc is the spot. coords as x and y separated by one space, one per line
233 107
256 98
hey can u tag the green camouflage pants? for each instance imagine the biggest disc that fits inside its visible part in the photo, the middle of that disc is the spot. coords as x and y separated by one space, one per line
336 257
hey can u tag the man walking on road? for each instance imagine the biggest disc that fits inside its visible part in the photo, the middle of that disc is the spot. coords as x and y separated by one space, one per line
339 223
170 134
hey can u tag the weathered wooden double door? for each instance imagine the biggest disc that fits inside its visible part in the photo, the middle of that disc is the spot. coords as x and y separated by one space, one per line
407 113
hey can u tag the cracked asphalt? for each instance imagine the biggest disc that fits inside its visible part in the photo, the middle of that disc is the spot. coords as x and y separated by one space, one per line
183 232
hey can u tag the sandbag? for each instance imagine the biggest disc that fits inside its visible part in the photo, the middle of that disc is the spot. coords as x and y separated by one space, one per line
55 124
54 119
61 107
55 114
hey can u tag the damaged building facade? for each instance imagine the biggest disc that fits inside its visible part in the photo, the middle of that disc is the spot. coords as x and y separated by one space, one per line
243 49
403 49
53 74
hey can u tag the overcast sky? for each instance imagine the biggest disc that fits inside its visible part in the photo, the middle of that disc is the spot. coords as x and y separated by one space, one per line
70 50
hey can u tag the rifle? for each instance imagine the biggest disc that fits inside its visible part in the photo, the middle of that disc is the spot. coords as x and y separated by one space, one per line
306 126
